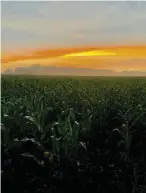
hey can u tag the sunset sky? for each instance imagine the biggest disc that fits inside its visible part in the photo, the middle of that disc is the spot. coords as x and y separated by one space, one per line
99 35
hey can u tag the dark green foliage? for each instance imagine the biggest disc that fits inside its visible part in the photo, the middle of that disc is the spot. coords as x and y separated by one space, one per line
81 135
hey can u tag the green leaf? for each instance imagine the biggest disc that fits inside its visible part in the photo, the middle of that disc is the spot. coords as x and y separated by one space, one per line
83 145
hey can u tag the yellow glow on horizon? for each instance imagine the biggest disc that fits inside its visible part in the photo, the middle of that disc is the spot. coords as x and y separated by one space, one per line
90 53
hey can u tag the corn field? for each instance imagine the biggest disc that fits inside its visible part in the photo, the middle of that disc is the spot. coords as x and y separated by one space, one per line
73 134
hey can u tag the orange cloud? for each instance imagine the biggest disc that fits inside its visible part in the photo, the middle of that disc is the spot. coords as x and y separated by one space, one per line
115 57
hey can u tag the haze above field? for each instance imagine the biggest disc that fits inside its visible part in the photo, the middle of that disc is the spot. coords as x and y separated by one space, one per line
109 36
68 71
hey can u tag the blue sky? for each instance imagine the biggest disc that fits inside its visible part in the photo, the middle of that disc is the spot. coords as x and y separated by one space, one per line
57 24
